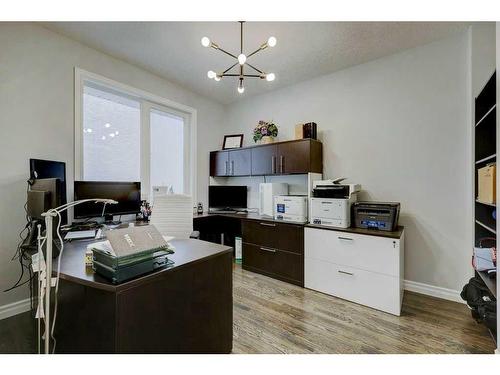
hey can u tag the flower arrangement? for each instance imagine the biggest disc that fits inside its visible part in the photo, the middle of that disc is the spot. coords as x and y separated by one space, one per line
265 129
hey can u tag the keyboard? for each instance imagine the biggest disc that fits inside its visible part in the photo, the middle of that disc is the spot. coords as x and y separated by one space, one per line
80 234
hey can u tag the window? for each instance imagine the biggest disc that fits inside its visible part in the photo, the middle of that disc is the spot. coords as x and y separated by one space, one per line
167 150
111 136
125 134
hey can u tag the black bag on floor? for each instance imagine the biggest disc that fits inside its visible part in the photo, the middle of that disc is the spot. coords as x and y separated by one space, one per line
481 302
488 314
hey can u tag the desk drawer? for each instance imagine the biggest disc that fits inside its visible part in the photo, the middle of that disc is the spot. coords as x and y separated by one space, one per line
280 236
271 262
370 253
372 289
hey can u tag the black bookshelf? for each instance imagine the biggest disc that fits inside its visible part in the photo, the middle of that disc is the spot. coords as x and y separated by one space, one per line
485 146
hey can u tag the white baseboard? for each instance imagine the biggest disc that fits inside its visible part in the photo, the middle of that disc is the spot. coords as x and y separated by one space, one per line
433 291
6 311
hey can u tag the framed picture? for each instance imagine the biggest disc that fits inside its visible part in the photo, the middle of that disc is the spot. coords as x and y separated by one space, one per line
232 141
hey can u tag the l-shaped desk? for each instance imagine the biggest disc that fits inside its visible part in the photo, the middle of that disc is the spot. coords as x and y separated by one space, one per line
351 263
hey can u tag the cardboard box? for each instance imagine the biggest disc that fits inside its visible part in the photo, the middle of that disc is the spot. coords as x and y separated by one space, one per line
486 184
299 131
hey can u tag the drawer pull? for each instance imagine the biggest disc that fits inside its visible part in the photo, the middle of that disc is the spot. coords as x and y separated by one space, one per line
268 224
346 273
268 249
345 239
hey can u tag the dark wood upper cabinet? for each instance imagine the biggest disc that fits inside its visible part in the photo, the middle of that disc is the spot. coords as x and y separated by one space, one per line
219 163
300 156
240 162
264 160
290 157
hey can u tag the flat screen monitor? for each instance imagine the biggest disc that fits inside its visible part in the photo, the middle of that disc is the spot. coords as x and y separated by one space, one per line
42 169
227 197
127 194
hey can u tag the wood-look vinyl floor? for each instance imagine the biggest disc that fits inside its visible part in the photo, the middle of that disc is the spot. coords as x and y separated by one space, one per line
271 316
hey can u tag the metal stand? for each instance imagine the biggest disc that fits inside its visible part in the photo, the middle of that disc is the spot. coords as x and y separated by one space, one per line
45 284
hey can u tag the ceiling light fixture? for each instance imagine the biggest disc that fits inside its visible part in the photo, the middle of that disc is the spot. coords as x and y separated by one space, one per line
241 60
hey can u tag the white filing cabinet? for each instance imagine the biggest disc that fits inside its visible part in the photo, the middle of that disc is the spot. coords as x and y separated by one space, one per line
364 268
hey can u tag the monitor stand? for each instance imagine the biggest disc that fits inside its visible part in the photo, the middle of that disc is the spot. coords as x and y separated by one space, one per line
108 220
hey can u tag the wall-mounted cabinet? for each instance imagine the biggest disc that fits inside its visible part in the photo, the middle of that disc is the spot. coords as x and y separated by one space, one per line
230 163
290 157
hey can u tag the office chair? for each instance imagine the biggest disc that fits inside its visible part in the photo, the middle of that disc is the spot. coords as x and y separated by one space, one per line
172 215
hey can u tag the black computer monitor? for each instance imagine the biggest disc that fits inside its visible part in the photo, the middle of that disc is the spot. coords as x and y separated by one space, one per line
127 194
227 197
43 169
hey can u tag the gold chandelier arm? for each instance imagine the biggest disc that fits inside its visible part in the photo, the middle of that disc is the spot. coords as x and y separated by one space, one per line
261 48
244 75
228 69
224 51
254 68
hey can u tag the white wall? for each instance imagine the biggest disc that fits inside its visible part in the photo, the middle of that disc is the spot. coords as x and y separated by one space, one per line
399 127
36 119
483 42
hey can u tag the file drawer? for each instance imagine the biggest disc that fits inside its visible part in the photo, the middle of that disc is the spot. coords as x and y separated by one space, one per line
372 289
282 265
367 252
288 237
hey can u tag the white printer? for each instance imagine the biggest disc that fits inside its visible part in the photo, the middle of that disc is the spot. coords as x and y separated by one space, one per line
291 208
331 202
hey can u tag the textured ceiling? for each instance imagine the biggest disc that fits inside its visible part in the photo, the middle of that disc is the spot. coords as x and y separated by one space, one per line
304 49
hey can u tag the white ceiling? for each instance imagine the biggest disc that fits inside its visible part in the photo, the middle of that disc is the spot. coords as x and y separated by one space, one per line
304 49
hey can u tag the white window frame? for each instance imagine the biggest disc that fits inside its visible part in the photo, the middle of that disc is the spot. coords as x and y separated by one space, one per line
148 101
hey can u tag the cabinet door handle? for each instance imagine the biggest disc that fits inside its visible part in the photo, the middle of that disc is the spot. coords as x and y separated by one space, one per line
227 165
268 224
282 159
232 167
273 164
346 273
268 249
345 239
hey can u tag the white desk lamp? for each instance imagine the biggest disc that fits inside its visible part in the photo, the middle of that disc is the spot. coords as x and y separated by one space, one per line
45 284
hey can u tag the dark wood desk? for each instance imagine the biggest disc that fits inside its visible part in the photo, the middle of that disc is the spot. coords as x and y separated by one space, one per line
187 308
274 248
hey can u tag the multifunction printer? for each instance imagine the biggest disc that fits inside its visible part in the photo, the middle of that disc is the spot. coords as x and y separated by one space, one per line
331 203
291 208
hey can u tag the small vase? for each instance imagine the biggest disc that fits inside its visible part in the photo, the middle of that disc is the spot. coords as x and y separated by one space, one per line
267 139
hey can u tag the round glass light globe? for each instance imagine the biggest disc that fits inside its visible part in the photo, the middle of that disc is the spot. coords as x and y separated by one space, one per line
242 58
205 41
271 42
